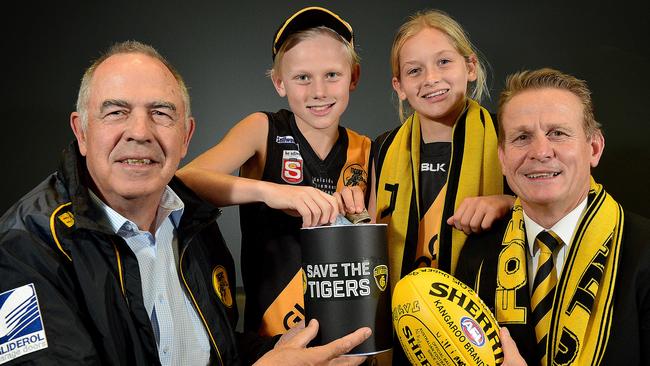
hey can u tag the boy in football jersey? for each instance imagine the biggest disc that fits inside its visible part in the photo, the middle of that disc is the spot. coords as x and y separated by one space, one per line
291 162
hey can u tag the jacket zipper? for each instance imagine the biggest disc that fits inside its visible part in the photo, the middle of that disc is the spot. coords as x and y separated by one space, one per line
120 271
196 305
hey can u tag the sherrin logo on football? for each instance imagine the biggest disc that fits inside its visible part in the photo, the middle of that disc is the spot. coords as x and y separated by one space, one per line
441 321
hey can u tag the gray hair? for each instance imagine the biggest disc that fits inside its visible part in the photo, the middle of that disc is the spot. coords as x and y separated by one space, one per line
125 48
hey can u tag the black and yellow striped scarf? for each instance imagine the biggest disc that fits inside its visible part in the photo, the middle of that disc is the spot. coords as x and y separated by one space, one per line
582 308
474 171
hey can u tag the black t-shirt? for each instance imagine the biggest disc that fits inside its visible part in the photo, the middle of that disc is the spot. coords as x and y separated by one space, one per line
434 165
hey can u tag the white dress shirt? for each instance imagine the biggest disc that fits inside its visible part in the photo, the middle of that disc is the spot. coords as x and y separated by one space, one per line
564 229
180 335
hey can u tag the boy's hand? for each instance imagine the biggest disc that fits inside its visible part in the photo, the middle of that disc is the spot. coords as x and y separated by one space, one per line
476 214
350 200
292 350
313 205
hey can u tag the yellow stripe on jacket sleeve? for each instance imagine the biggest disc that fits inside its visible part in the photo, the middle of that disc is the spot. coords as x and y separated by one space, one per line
53 230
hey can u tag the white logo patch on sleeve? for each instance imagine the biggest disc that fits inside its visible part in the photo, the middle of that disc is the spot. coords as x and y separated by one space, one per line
21 326
285 140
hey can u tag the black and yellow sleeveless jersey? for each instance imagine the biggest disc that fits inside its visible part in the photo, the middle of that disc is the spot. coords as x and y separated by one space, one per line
270 238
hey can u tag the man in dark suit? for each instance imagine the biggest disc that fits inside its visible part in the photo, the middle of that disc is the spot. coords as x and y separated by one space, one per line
568 272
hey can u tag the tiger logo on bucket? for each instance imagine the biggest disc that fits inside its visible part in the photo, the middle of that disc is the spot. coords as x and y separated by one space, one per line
381 276
21 326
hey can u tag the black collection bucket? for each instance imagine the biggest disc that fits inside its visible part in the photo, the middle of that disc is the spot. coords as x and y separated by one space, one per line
346 283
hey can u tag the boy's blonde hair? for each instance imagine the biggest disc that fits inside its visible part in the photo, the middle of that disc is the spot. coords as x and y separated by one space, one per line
443 22
295 38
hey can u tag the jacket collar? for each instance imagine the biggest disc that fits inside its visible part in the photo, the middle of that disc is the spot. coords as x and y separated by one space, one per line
74 175
198 212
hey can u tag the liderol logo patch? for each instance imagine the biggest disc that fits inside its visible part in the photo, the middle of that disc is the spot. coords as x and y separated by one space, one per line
21 326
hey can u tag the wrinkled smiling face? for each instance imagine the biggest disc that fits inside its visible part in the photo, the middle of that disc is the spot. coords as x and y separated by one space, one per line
137 132
546 155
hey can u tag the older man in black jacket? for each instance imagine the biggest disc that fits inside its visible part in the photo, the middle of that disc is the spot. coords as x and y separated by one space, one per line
113 261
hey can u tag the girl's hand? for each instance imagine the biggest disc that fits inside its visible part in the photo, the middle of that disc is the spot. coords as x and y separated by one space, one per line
476 214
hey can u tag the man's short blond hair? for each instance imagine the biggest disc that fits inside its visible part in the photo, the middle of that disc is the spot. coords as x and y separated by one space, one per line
549 78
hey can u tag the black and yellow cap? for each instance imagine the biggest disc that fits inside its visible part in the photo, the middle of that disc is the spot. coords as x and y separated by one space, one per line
311 17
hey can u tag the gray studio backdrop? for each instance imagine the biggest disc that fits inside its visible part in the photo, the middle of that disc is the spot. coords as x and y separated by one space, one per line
224 48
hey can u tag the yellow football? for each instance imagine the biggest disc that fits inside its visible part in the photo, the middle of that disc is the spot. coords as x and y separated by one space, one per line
441 321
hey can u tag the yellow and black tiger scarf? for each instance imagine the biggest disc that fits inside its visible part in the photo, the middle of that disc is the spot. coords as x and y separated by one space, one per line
583 303
474 170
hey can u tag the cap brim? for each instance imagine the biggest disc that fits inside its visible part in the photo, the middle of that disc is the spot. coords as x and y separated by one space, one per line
311 17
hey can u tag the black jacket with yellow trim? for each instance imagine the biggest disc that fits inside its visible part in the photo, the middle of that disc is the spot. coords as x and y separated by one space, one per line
87 279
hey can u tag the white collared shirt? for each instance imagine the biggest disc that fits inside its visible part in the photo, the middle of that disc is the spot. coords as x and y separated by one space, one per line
180 335
563 228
